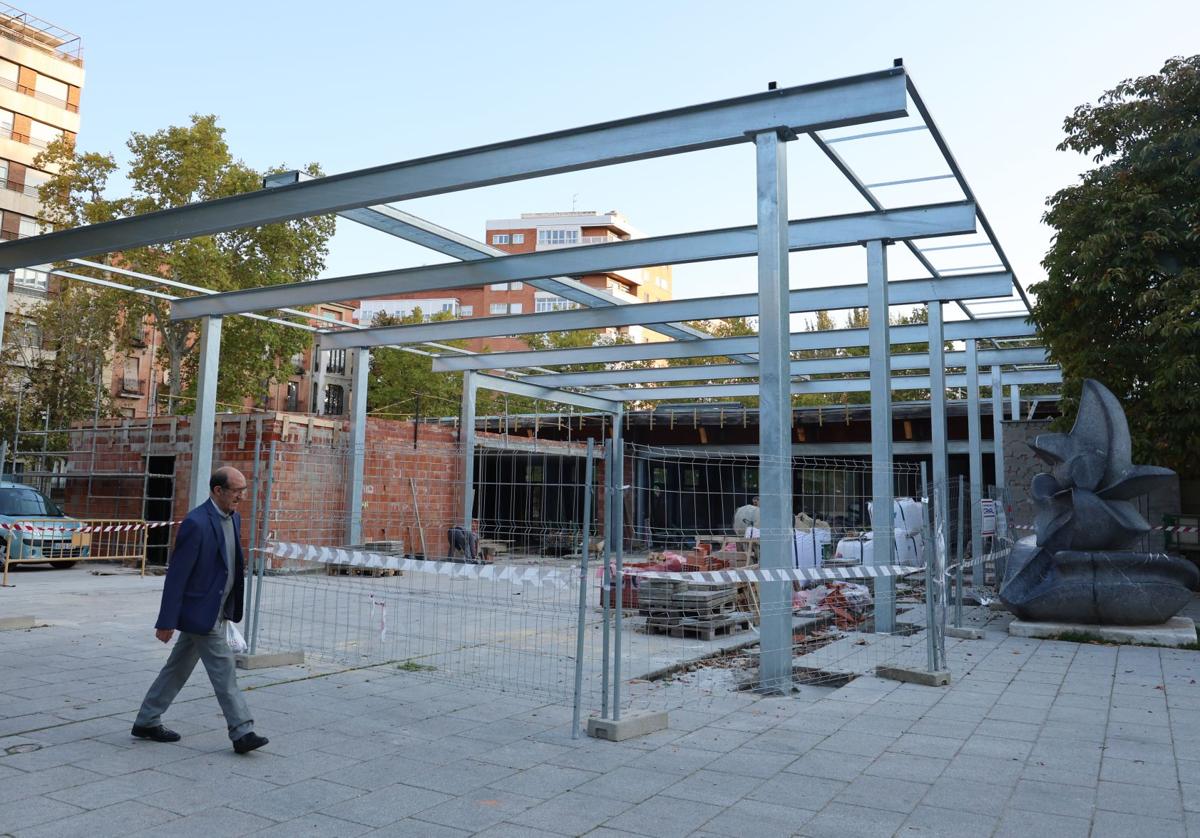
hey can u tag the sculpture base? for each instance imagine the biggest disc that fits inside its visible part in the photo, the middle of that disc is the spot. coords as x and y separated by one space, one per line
1096 587
1175 632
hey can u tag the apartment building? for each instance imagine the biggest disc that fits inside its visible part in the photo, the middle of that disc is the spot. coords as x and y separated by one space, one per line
536 231
41 77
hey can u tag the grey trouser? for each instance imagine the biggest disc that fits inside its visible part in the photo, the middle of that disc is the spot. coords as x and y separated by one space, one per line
218 662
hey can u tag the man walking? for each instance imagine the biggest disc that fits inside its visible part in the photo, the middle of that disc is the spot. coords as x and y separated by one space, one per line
204 588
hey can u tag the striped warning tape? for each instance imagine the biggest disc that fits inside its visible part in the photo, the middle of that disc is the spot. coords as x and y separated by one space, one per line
140 525
535 576
787 574
1173 528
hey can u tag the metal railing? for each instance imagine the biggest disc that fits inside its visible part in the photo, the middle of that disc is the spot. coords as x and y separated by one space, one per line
31 31
64 541
39 95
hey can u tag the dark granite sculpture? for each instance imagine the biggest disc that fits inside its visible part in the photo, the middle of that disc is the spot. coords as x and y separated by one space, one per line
1080 566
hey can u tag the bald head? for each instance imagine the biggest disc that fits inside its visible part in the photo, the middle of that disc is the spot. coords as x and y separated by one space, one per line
226 486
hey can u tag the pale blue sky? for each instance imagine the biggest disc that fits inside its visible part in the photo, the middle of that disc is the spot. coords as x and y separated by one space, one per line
357 84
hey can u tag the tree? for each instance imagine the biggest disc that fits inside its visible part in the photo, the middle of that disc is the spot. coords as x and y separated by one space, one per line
1121 301
399 379
172 167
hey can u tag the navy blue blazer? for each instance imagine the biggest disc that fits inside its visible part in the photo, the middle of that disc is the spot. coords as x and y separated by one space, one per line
196 574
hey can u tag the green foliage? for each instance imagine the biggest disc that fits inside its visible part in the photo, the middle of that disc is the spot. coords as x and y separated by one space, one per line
54 358
169 168
404 383
1121 302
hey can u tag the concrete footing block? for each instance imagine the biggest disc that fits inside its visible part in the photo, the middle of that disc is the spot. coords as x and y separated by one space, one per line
1177 631
16 623
964 632
635 724
267 660
908 675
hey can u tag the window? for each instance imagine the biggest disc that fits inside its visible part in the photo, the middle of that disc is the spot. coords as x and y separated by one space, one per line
466 311
31 334
518 238
131 381
553 237
498 286
3 173
336 361
498 308
335 400
31 279
661 283
52 88
552 303
514 308
29 227
10 74
41 134
500 238
515 286
6 122
293 397
33 179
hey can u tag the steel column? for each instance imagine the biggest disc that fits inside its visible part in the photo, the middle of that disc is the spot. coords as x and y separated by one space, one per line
998 424
358 445
882 487
617 498
205 415
974 451
775 412
466 439
1015 395
938 498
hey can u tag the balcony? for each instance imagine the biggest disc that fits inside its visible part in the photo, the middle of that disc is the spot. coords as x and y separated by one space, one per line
132 386
39 95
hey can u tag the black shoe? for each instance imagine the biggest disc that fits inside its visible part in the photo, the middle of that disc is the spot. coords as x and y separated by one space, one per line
246 744
158 733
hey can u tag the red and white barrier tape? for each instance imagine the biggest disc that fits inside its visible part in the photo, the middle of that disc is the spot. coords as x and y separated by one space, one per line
141 525
1185 529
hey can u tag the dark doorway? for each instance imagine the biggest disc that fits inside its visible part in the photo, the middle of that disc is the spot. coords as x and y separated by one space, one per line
159 501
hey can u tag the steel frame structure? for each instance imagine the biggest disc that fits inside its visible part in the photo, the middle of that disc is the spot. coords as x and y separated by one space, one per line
769 120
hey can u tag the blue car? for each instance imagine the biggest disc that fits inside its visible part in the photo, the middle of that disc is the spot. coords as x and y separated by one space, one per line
36 529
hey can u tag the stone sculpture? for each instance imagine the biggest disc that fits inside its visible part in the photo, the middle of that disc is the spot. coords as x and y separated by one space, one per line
1081 565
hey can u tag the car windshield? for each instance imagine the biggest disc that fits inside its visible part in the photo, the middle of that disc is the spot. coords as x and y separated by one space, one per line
22 502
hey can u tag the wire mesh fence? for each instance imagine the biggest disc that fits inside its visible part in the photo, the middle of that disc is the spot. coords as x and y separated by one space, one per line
621 576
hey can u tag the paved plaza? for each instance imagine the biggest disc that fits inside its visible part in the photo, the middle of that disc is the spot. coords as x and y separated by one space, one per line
1031 738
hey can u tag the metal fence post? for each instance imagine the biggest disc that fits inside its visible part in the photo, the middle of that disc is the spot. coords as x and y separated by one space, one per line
259 558
605 581
958 559
253 521
583 578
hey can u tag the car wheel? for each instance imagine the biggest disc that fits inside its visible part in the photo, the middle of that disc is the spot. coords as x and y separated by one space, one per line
62 565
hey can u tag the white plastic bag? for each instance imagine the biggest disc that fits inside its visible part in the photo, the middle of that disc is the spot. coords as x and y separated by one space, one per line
234 638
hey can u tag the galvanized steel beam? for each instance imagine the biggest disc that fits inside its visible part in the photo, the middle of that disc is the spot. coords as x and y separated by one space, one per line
205 416
848 101
816 366
549 394
820 385
682 248
997 327
904 292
